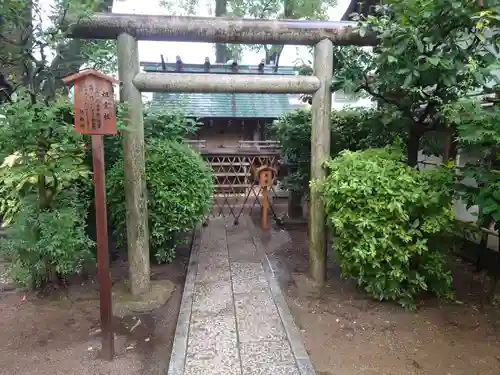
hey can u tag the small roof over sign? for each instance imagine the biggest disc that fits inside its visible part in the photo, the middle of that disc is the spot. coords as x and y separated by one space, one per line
89 72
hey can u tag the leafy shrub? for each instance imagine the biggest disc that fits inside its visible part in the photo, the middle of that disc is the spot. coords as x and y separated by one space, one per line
62 167
45 190
179 187
158 124
388 220
352 129
479 133
293 131
45 245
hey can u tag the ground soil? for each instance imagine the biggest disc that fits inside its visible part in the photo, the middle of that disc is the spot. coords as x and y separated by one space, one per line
59 333
347 333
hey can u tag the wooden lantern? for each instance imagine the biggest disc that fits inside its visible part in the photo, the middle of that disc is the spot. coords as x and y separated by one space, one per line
266 177
95 110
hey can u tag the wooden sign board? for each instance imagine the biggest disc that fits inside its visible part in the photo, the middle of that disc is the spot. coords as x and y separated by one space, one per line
95 110
95 114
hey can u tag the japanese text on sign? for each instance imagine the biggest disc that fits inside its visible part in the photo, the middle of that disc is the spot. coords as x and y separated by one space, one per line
95 107
94 102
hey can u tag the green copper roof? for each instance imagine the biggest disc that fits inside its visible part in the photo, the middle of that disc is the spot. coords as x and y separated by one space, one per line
223 105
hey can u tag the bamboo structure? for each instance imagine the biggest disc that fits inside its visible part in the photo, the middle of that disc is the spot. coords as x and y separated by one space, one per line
128 29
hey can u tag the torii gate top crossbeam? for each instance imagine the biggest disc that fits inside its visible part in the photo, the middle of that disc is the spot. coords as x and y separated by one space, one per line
218 30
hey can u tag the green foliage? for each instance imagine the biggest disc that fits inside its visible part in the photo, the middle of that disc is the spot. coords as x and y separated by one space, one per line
280 9
477 125
358 129
44 245
388 221
45 180
179 187
158 124
257 9
293 131
487 198
430 54
45 190
479 132
31 31
352 129
19 176
43 154
272 9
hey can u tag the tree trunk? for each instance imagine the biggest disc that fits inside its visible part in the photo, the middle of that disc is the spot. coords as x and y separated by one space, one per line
450 147
453 147
295 205
68 59
413 146
16 40
15 29
221 50
269 55
273 54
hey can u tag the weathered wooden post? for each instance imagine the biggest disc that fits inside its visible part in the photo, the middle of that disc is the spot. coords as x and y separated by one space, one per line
135 169
320 151
95 114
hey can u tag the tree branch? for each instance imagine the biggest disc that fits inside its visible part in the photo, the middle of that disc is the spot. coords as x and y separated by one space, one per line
68 59
366 86
265 9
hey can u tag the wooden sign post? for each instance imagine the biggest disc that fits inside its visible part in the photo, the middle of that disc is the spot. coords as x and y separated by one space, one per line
95 114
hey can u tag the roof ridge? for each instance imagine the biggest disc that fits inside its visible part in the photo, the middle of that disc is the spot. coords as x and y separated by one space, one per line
221 65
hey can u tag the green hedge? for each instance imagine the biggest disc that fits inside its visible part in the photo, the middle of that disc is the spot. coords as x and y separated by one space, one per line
389 222
45 190
352 129
179 185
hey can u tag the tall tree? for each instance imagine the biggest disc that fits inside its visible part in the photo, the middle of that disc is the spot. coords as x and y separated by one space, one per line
35 52
15 32
280 9
259 9
431 53
221 50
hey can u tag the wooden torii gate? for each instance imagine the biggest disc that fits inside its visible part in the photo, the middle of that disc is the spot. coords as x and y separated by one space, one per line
128 29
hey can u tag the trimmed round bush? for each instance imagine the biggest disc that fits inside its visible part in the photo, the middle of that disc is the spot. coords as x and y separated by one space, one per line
389 222
179 185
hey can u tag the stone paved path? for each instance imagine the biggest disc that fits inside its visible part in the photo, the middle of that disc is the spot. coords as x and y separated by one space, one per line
234 319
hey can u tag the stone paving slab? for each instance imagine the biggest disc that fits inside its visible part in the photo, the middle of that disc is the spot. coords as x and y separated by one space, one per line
212 337
212 297
233 318
248 277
